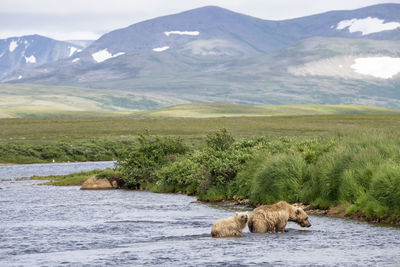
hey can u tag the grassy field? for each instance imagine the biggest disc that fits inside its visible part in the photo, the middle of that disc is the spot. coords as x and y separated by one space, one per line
47 130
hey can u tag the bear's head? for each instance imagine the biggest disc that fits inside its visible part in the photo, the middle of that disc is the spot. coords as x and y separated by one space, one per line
242 216
301 218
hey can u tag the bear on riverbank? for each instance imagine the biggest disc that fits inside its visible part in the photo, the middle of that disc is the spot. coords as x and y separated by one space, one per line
231 226
271 218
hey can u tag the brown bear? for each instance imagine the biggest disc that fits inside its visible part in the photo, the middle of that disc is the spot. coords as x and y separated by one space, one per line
231 226
271 218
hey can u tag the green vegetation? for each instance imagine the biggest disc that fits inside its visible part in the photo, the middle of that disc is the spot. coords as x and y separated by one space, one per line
94 150
29 140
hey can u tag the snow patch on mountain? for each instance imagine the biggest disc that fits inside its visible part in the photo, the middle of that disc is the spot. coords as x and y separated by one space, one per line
160 49
367 25
19 77
379 67
76 60
13 46
73 49
30 59
103 55
350 67
192 33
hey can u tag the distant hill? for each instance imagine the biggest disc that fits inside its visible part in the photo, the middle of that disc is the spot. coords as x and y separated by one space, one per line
55 101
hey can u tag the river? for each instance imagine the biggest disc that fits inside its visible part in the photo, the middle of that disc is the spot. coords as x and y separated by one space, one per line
64 226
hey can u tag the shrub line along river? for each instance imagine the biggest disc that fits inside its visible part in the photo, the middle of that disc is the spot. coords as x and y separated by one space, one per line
53 226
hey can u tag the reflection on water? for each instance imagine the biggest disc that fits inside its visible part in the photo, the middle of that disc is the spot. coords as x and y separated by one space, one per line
53 226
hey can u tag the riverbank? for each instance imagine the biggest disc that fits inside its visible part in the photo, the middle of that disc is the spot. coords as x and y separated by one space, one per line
339 211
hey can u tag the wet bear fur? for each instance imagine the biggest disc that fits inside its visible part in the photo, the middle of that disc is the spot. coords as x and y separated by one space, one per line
230 227
273 218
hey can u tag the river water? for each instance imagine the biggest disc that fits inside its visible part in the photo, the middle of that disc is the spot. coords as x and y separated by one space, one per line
64 226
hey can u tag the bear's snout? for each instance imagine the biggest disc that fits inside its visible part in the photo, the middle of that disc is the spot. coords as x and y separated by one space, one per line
305 224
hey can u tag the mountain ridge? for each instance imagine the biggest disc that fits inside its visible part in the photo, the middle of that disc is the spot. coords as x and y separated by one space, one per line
214 54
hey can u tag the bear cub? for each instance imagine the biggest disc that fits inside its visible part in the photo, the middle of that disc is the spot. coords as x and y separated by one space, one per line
273 218
230 227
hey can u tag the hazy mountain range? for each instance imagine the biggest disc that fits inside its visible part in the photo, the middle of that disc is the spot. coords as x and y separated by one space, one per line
213 54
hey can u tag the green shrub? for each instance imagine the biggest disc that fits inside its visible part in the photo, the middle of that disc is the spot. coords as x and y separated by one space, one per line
313 149
221 140
213 194
220 167
150 154
182 175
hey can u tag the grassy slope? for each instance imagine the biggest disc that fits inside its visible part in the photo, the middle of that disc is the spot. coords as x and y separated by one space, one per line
29 100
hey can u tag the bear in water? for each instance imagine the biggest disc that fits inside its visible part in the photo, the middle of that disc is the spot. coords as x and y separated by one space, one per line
273 218
231 226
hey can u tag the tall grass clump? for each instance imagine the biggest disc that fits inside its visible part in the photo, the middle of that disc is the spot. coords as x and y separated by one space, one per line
241 186
280 179
385 186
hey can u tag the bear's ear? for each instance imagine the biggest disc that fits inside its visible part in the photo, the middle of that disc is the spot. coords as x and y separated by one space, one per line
297 212
237 213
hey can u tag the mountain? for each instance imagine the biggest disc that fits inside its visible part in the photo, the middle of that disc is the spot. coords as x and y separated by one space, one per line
213 54
214 30
30 51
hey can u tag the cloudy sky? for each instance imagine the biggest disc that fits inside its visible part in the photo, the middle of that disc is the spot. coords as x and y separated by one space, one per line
89 19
